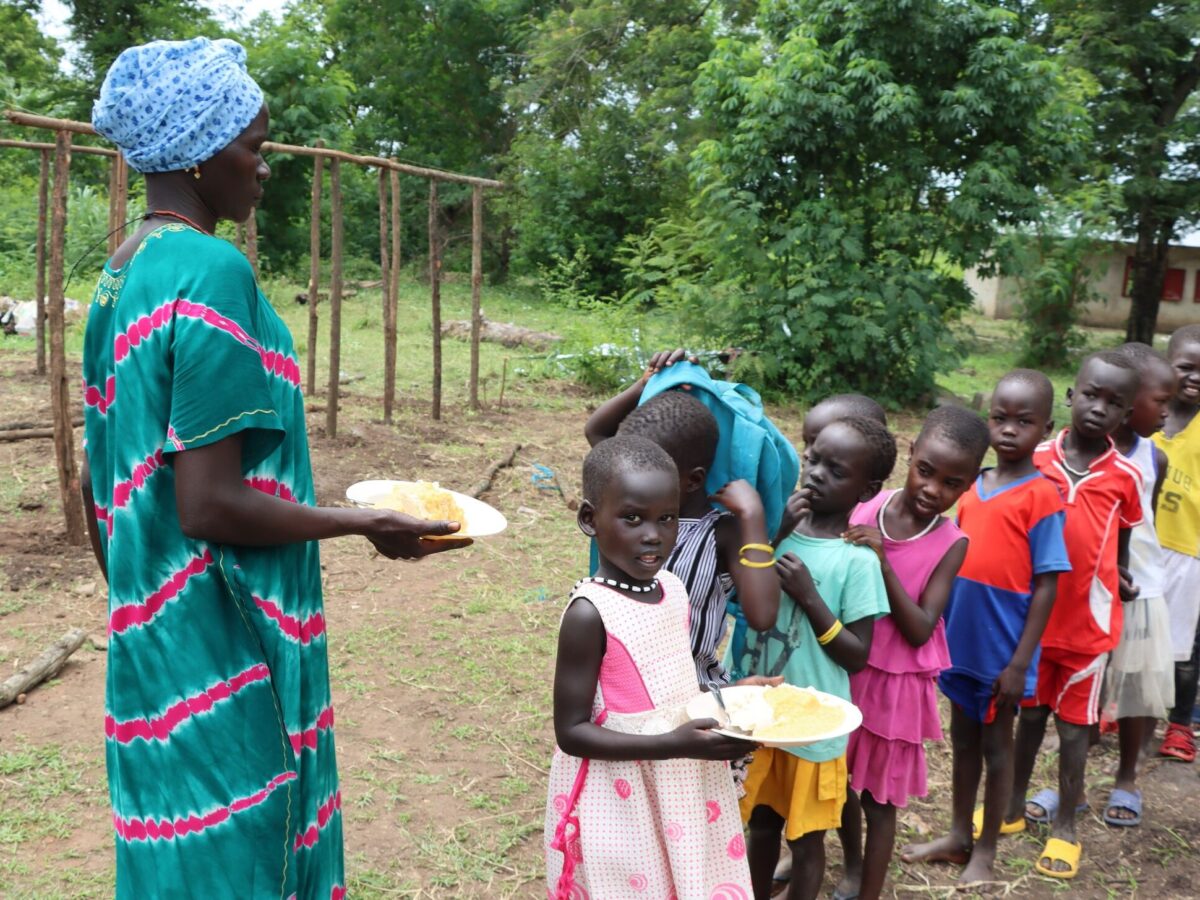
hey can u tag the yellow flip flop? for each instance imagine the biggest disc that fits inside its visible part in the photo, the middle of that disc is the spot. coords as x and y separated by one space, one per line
1005 827
1058 850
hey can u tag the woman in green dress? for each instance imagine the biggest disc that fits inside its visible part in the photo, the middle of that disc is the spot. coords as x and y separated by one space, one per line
218 721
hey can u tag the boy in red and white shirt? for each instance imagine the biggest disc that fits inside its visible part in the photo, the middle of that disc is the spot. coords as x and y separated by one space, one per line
1102 493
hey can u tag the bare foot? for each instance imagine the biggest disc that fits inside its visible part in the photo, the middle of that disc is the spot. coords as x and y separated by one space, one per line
848 886
979 869
949 849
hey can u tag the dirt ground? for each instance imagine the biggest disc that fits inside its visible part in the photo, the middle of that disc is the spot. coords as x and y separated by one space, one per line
441 675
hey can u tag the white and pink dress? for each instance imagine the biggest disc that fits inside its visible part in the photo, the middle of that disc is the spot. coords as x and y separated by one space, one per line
656 829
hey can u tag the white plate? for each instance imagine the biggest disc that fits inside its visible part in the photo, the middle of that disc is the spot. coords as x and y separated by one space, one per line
482 520
704 706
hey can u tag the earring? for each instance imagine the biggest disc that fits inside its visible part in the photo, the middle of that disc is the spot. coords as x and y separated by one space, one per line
196 172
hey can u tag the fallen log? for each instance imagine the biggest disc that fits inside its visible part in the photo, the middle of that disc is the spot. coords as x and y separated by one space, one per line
505 333
302 297
25 426
485 484
47 665
22 434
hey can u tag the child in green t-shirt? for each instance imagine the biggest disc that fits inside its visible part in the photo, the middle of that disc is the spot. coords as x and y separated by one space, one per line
832 593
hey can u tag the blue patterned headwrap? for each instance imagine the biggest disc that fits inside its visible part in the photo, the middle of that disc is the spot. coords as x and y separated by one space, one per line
173 104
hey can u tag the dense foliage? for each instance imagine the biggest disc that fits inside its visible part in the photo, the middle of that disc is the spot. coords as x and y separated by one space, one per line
807 179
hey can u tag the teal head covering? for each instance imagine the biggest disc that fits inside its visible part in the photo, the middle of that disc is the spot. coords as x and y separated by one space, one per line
173 104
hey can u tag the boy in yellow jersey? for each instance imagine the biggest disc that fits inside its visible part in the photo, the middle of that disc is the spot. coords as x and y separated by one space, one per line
1178 523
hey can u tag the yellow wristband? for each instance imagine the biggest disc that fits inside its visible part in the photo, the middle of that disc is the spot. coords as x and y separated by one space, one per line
834 630
751 564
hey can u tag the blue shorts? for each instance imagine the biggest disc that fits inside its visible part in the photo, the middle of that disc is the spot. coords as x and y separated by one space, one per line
968 693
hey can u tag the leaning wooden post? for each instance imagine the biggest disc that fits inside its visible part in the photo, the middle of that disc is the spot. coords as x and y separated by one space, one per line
239 231
335 297
393 294
60 398
385 277
435 296
252 240
40 254
476 285
314 271
122 208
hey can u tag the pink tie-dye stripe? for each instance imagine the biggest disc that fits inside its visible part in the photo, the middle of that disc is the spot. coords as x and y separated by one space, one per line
160 727
104 517
166 830
309 837
102 400
291 626
308 737
141 472
125 617
272 486
338 893
286 367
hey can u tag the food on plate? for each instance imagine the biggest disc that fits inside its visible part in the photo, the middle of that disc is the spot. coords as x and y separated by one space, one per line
422 500
784 712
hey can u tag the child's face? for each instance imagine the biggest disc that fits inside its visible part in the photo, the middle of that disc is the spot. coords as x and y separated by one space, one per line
1017 420
939 471
636 521
1102 397
837 470
1185 360
1153 399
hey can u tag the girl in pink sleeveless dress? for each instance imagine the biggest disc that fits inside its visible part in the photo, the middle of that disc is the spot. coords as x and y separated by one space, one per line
921 552
640 802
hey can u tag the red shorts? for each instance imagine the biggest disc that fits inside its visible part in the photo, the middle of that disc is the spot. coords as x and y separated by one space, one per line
1069 683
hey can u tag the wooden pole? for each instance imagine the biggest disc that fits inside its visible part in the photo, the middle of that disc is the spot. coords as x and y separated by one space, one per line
335 297
122 208
239 230
393 295
476 286
314 271
40 254
113 182
252 240
435 297
60 397
385 290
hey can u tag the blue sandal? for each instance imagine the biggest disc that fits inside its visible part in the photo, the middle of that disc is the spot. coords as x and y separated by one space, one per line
1047 799
1130 801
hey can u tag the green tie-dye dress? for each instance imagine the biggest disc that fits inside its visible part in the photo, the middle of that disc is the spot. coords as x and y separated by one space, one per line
218 723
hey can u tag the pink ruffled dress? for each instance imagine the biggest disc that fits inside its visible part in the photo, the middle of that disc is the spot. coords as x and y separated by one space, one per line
897 690
664 828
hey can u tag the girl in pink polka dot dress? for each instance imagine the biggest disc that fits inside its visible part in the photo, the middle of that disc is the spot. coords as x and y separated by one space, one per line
641 802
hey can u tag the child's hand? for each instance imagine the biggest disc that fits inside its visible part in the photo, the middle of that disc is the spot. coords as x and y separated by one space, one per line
865 536
740 498
795 511
794 578
664 358
697 740
759 681
1127 589
1009 687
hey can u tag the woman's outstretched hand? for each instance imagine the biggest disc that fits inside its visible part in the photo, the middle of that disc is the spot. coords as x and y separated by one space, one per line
400 536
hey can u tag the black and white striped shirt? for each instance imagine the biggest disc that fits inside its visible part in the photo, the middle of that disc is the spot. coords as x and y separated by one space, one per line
694 562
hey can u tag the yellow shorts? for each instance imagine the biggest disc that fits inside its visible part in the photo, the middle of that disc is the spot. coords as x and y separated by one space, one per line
809 795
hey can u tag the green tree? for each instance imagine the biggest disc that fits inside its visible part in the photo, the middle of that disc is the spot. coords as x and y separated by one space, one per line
868 152
1145 57
607 120
29 59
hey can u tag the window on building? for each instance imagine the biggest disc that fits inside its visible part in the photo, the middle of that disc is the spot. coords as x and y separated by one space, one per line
1172 291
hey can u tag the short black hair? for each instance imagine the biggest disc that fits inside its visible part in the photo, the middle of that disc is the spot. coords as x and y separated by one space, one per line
1114 358
856 405
1143 356
1039 385
960 426
880 441
1186 334
680 424
622 453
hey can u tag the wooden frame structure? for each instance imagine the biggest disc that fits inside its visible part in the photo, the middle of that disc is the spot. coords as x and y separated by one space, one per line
52 207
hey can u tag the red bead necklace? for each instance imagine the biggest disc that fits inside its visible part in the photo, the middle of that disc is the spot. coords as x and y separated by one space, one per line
171 214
